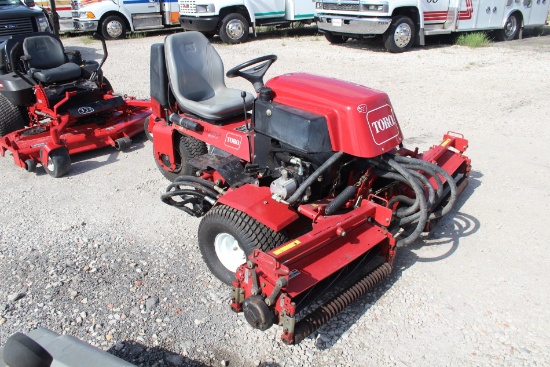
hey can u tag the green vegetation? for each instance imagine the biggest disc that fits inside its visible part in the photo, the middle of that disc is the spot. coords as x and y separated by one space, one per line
473 40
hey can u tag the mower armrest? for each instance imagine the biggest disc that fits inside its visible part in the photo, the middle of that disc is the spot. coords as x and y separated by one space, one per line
74 56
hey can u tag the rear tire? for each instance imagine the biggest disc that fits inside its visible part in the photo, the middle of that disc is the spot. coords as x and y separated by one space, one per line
227 236
234 29
188 148
334 39
11 117
511 29
400 36
59 162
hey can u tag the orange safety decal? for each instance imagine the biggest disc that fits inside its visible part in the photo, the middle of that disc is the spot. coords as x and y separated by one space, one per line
286 247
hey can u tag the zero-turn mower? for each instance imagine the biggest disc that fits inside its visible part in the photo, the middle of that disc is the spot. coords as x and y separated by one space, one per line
54 104
301 188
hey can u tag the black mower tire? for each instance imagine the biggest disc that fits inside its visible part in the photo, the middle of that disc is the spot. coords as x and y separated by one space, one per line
247 231
234 29
400 35
113 28
334 39
511 29
188 148
11 117
59 162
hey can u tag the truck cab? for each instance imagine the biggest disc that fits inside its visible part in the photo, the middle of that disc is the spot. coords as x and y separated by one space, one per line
17 17
114 18
232 19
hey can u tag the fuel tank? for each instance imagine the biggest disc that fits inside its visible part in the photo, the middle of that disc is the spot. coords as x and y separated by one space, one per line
360 120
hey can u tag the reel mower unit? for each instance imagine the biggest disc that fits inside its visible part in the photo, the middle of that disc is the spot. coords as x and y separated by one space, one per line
53 104
304 189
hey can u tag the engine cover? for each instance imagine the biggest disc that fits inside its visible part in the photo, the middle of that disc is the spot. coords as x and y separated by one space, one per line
360 120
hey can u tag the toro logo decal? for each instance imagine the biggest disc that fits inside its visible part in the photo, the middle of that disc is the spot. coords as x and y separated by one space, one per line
362 108
382 124
85 110
233 141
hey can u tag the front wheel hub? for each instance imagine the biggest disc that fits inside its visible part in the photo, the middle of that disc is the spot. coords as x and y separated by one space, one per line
402 35
228 251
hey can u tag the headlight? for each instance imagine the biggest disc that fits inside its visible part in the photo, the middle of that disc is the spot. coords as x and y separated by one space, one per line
319 5
205 8
42 23
383 7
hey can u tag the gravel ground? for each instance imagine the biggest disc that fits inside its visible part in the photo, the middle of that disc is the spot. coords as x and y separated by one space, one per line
98 256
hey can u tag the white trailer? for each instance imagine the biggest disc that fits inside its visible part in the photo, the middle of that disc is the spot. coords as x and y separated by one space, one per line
114 18
404 22
232 19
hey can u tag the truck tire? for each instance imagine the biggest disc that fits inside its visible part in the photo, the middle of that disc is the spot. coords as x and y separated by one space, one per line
188 148
113 27
227 236
11 117
510 30
234 29
334 39
400 36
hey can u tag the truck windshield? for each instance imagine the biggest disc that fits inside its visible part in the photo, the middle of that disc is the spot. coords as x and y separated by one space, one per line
9 2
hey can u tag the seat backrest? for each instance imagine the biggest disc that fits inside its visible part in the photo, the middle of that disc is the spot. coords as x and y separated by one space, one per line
195 69
45 52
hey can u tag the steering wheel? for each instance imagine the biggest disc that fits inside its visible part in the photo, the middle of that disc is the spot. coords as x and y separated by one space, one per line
255 74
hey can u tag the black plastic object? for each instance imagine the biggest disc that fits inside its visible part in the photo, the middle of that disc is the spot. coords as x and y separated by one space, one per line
22 351
95 107
299 129
185 123
158 76
257 313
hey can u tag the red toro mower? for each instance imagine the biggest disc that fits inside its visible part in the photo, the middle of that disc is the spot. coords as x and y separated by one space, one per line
54 104
309 190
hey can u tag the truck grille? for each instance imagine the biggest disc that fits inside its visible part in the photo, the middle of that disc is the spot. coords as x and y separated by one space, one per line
187 6
344 7
15 26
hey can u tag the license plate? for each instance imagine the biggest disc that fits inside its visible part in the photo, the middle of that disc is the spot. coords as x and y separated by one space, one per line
337 22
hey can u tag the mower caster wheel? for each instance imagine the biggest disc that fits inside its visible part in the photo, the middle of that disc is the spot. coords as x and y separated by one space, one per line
227 236
30 165
59 162
123 143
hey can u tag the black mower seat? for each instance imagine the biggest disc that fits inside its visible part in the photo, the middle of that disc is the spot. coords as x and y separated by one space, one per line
196 75
45 57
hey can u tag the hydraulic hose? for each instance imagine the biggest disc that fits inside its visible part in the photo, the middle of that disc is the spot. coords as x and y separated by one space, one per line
202 193
346 194
401 212
313 177
419 192
450 181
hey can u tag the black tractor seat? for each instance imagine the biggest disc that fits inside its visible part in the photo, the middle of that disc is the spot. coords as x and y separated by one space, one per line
196 76
46 61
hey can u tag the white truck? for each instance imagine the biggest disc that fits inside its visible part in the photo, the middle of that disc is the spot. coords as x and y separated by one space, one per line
114 18
232 19
404 22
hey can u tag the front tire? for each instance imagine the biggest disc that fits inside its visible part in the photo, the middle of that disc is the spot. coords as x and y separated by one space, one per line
11 117
188 148
511 29
59 162
334 39
234 29
113 28
227 236
400 36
